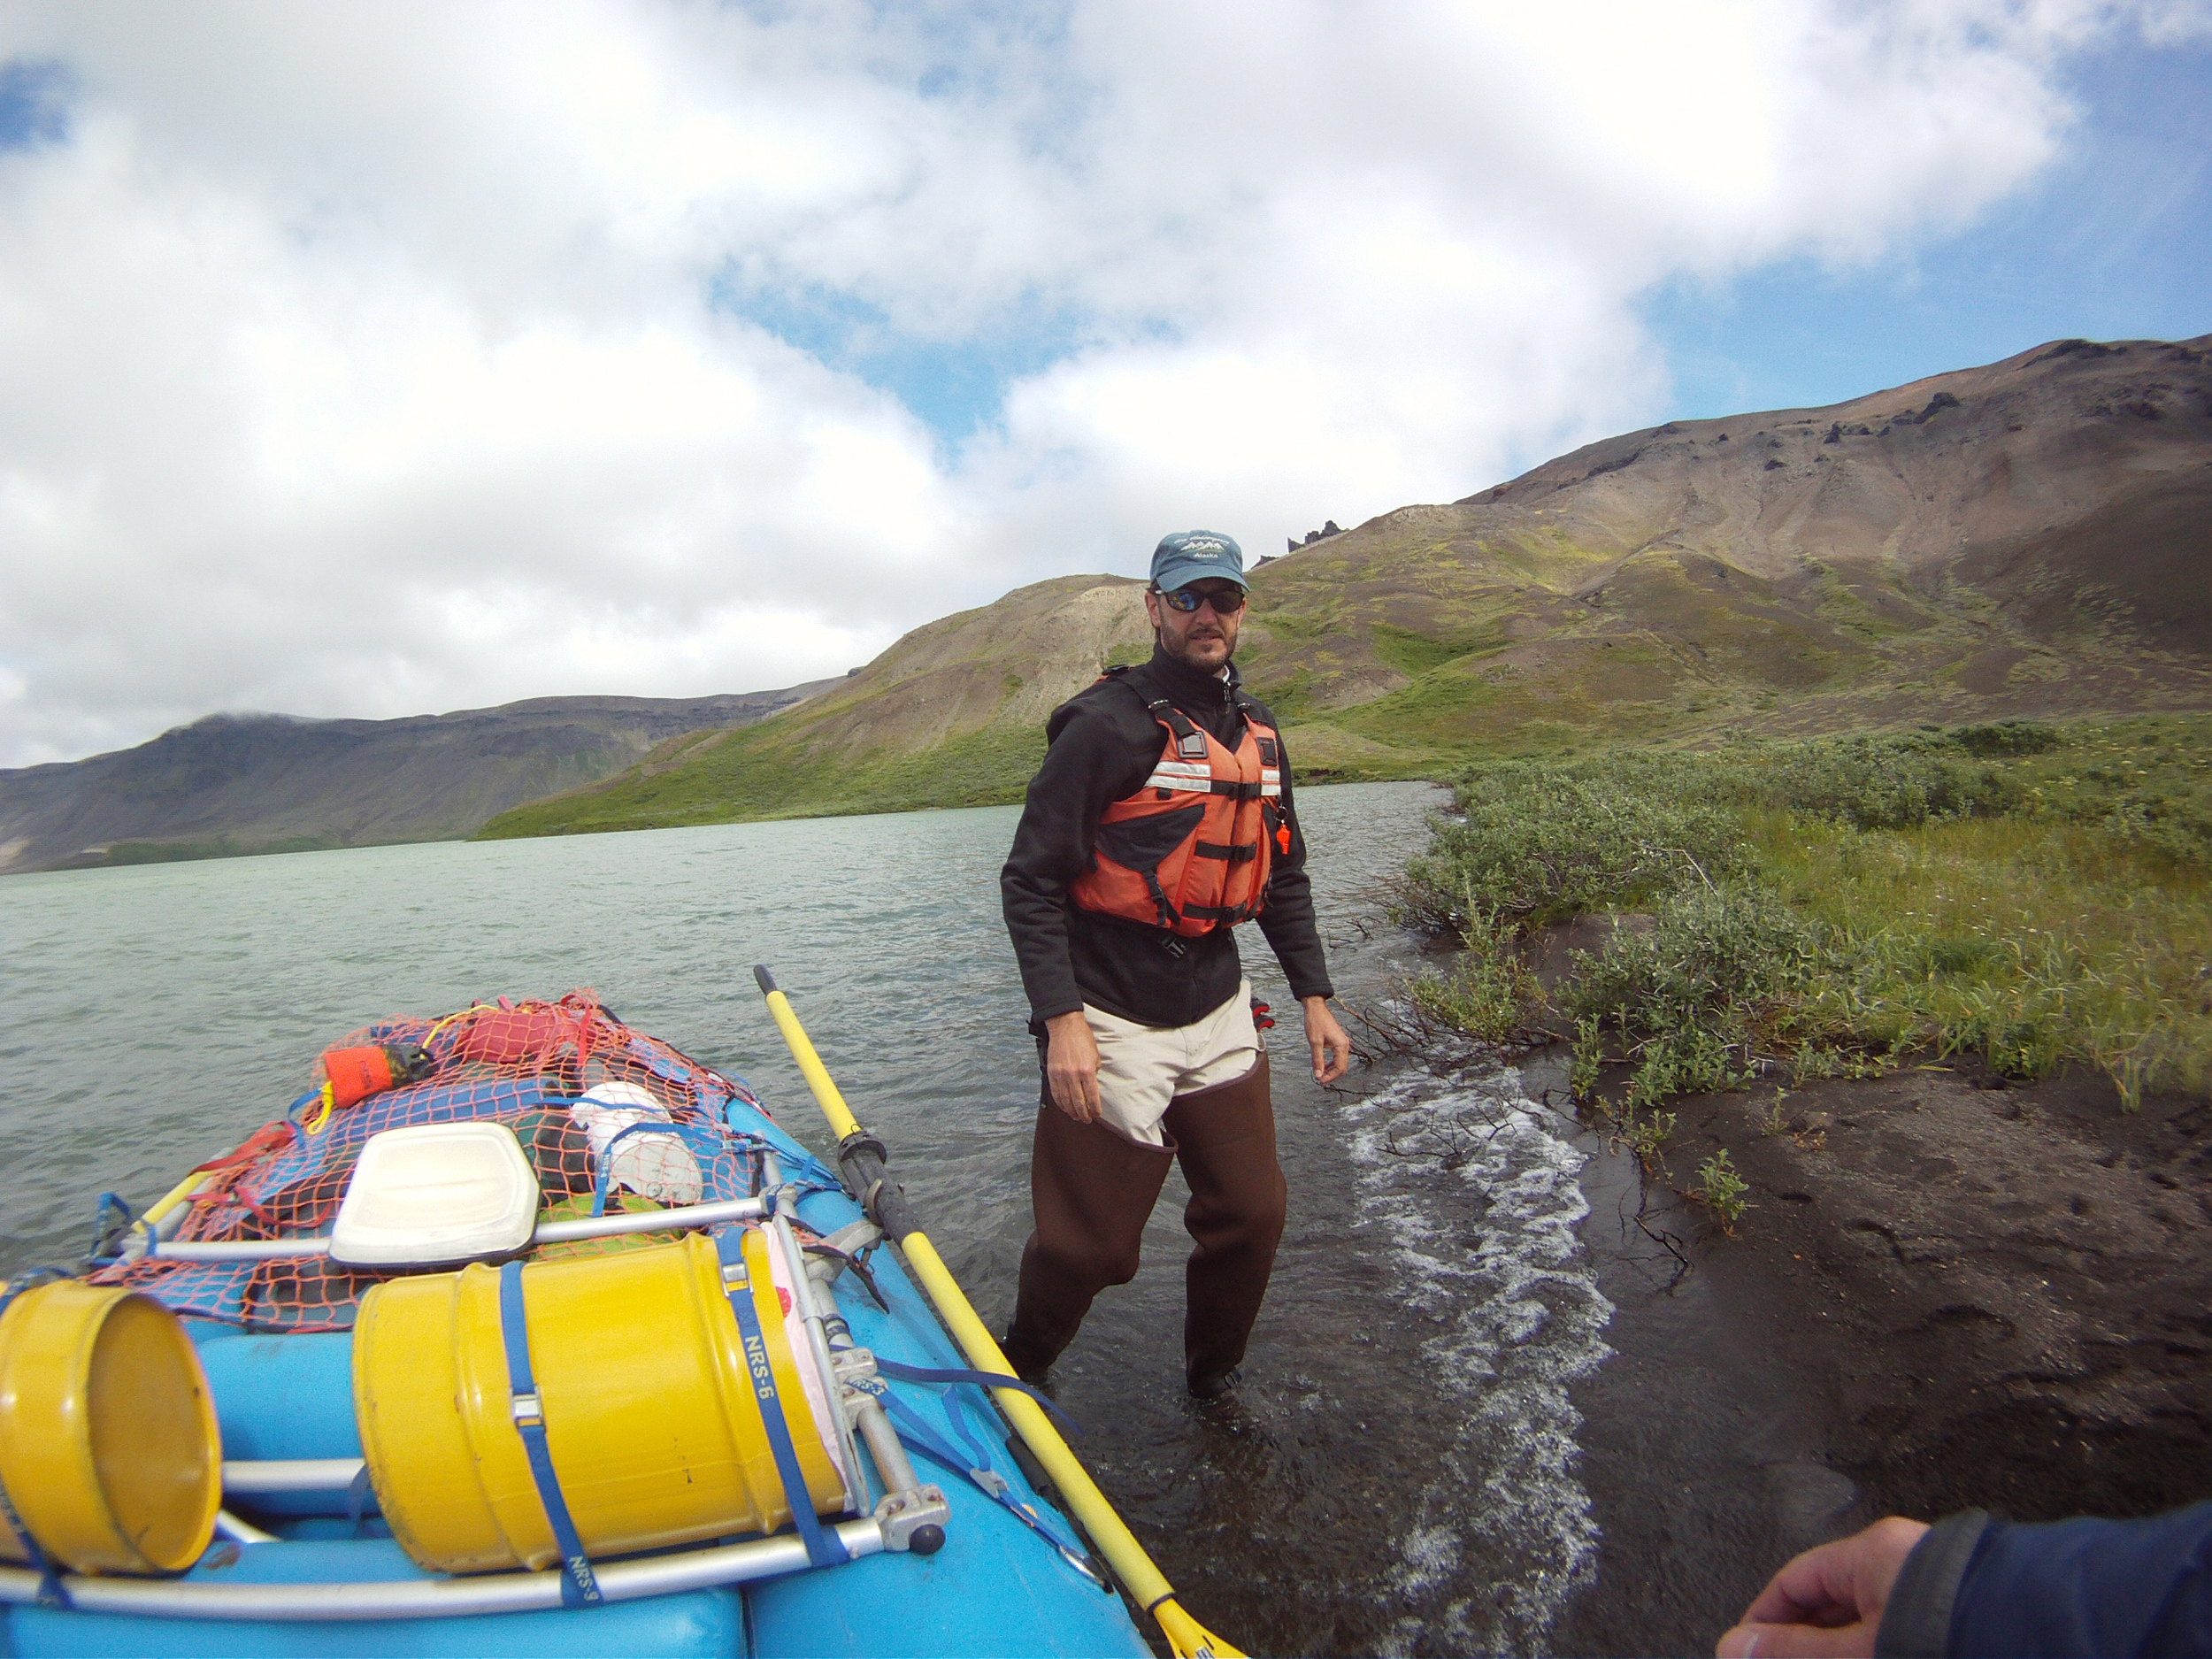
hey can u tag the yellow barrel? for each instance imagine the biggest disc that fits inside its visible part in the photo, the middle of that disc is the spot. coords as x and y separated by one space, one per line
108 1443
650 1415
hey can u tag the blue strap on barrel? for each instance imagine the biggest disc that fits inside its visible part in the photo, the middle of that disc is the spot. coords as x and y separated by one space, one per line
824 1547
52 1592
580 1587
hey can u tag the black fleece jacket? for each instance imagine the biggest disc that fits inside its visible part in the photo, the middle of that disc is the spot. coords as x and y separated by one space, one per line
1104 743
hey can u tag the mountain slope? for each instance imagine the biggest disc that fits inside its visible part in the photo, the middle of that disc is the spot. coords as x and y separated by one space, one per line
952 714
2024 538
269 783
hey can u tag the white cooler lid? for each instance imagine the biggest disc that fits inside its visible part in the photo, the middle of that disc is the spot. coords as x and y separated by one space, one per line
436 1193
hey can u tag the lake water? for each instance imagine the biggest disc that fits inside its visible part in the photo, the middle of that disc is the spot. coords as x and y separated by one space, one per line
1399 1473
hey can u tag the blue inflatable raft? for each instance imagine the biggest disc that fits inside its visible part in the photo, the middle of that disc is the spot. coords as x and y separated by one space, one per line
686 1395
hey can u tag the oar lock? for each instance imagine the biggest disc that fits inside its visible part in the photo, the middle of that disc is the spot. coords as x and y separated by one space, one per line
861 1158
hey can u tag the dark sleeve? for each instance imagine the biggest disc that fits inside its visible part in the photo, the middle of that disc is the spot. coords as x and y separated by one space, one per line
1917 1620
1288 917
2078 1587
1089 763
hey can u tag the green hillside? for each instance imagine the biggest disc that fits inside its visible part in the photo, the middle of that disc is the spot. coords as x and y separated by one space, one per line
952 714
738 777
2023 540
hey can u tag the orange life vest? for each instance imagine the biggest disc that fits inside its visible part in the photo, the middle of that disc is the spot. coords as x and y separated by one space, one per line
1190 851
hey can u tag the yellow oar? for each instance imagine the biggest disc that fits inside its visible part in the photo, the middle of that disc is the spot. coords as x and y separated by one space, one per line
175 1195
862 1157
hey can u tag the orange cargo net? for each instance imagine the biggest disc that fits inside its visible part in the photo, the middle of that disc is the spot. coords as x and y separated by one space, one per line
610 1118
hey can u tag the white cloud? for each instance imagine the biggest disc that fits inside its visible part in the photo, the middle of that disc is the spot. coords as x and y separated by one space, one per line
367 360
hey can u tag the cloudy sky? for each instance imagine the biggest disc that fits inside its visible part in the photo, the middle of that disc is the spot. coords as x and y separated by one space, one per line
376 359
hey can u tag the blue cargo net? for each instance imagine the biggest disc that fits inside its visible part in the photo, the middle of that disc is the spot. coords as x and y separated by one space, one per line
610 1120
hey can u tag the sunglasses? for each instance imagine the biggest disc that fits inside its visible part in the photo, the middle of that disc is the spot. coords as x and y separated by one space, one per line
1226 603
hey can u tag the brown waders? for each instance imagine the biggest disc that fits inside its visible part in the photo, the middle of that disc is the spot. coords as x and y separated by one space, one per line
1093 1192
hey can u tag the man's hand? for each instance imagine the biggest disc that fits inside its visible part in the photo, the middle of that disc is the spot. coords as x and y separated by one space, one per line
1331 1049
1071 1065
1829 1600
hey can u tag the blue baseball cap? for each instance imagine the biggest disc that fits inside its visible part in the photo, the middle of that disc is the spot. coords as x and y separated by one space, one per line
1191 555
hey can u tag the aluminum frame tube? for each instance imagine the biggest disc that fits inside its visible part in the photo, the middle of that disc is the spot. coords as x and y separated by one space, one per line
229 1525
885 1447
650 1220
546 1232
237 1249
437 1598
292 1474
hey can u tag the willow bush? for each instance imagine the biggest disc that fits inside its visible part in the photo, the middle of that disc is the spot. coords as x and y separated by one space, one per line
2031 895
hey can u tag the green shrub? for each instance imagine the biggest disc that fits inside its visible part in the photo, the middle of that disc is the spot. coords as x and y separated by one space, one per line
2031 896
1710 955
1721 1189
1647 1136
1688 1002
1586 1060
2007 737
1489 993
1536 843
1871 783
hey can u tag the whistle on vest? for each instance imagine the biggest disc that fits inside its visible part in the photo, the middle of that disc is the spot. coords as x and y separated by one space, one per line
1261 1020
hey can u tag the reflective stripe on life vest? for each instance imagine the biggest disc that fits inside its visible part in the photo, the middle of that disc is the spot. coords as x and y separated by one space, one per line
1190 776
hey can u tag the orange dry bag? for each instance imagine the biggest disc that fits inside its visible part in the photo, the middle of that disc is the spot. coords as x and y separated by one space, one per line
349 1076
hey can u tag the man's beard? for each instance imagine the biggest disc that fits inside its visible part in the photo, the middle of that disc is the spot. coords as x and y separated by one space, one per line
1160 644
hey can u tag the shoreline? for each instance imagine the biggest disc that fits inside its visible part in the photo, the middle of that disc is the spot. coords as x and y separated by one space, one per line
2009 1286
1951 1291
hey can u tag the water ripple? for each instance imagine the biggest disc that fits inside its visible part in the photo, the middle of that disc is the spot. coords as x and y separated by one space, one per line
1497 1267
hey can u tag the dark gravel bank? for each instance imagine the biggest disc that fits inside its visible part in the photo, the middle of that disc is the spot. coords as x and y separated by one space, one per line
1951 1292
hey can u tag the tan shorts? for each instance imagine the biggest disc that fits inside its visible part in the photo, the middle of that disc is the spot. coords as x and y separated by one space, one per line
1141 1068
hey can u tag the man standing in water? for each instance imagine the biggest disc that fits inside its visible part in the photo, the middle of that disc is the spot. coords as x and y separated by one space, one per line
1161 817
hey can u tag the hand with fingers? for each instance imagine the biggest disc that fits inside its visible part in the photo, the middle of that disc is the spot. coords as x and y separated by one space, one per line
1331 1049
1828 1602
1071 1065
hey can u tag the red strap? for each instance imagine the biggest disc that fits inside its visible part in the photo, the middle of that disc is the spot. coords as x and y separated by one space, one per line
226 1169
268 1138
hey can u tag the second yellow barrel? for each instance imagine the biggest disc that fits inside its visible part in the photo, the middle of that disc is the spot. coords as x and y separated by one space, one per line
650 1414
